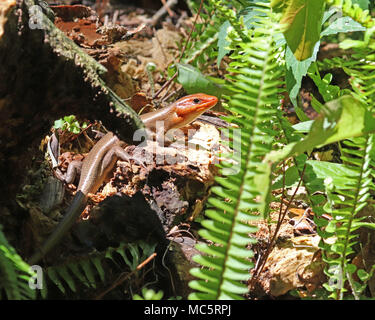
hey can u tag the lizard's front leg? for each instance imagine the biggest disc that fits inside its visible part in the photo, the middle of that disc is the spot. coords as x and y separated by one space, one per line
74 168
117 152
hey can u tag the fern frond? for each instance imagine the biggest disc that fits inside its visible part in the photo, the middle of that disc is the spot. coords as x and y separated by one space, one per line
356 13
348 198
201 49
91 270
304 171
14 273
345 201
360 67
255 81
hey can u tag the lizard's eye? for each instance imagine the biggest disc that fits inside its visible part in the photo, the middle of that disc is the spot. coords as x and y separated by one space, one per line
196 100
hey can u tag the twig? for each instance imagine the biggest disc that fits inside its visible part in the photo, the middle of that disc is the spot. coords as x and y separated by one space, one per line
141 265
182 52
115 17
191 31
106 20
124 276
180 19
160 45
169 270
277 229
166 94
164 86
169 96
162 11
170 12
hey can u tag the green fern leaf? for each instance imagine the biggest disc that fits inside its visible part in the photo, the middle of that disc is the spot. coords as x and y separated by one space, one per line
97 262
87 269
64 274
254 80
345 201
52 274
14 273
91 269
74 268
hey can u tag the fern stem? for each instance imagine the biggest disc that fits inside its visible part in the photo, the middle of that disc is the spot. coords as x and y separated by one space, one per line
277 229
206 45
182 53
191 31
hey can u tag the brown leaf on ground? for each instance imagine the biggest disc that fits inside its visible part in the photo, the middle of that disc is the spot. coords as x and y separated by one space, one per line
293 265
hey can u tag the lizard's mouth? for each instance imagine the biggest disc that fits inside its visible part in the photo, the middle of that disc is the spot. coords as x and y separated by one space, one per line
208 104
192 107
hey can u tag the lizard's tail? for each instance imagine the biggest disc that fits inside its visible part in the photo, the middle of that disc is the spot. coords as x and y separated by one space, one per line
72 213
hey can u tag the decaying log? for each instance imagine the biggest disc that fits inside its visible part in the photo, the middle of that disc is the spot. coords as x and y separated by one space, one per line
44 76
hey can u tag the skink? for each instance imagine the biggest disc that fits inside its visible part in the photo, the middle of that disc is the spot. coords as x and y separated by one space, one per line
102 157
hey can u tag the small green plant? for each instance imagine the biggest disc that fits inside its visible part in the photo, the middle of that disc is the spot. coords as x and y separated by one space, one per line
149 294
69 123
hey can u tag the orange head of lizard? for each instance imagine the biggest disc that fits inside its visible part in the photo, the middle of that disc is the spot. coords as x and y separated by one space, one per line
192 106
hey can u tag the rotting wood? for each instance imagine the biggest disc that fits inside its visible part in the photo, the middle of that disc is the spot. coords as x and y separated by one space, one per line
44 76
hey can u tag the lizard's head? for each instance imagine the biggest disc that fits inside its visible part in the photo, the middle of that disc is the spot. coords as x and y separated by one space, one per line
192 106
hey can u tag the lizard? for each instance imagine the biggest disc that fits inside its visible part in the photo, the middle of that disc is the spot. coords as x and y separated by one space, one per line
104 154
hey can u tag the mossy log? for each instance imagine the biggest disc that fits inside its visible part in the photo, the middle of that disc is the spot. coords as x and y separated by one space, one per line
44 76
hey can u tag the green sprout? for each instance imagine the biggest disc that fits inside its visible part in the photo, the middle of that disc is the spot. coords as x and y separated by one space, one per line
69 123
